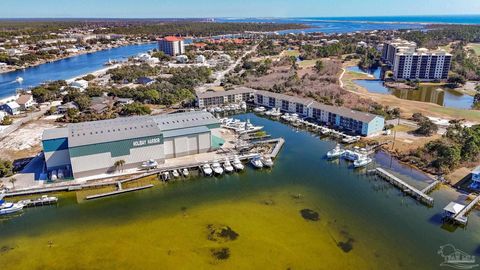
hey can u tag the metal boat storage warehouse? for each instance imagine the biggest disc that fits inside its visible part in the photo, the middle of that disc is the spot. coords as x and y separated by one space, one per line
92 148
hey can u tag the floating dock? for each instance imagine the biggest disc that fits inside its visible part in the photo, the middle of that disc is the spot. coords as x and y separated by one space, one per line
461 218
420 195
39 202
120 191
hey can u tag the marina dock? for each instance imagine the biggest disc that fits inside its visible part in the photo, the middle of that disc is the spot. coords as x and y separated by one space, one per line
461 218
420 195
120 191
39 202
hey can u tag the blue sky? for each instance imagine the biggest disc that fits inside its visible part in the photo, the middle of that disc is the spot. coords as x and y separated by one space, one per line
232 8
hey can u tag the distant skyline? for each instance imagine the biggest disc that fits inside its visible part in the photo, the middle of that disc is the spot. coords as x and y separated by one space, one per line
225 8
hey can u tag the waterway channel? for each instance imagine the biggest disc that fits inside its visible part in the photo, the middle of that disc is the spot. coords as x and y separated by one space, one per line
66 68
258 219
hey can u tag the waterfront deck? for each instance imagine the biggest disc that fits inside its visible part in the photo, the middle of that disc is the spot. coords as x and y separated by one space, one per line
420 195
461 218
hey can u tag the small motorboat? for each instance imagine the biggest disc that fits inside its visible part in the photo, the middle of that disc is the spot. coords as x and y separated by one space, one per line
206 169
217 168
227 166
237 164
243 105
351 155
7 207
259 109
185 172
362 161
257 162
335 152
165 176
175 174
150 164
19 80
267 161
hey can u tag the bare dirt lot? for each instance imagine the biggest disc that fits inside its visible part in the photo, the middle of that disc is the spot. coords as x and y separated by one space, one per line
25 141
305 81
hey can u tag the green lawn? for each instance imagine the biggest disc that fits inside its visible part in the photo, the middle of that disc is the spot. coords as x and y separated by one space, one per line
295 53
471 115
475 47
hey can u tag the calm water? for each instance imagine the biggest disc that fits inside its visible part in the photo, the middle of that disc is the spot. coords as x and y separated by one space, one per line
445 97
352 24
364 223
66 68
328 26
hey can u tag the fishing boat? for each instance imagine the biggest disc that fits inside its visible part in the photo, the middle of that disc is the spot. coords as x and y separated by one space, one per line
227 166
256 162
150 164
267 161
217 168
7 207
362 161
237 164
175 174
206 169
185 172
335 152
276 113
248 127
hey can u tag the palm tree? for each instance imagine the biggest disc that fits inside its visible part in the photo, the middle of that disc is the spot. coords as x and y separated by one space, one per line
12 181
119 164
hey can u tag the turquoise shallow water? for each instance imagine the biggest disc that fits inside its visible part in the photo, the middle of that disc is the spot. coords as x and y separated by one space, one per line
363 223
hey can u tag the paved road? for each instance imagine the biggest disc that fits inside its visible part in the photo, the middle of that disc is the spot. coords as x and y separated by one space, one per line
221 75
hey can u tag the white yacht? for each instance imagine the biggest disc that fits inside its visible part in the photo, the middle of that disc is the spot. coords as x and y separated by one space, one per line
8 208
276 113
217 168
267 161
207 170
259 109
237 164
249 128
150 164
257 162
351 155
362 161
175 174
185 172
165 176
335 152
227 166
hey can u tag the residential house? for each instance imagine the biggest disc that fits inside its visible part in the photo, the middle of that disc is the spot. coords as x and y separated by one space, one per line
25 101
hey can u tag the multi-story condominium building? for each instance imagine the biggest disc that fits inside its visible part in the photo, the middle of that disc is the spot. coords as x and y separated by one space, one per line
409 63
390 49
171 45
210 99
357 122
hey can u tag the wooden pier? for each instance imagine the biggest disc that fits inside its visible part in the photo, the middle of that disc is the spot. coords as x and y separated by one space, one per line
120 191
407 188
461 218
